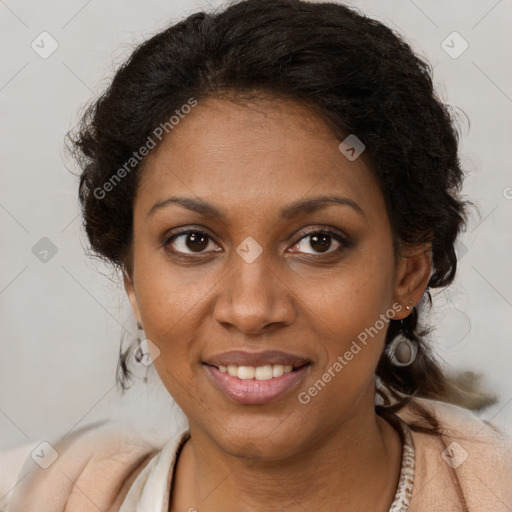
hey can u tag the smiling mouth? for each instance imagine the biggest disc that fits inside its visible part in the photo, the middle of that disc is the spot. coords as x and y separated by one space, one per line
256 385
264 372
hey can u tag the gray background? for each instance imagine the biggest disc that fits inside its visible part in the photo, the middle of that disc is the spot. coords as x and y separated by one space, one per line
62 319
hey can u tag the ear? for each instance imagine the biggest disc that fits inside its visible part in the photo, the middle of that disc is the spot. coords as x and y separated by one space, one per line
412 276
130 292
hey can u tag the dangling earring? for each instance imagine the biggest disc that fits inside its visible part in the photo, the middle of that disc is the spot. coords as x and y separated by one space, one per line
402 351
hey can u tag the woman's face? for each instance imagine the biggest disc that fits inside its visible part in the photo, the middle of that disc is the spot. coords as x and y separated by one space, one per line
252 276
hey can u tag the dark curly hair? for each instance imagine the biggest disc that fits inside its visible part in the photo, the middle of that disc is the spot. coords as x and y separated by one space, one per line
354 72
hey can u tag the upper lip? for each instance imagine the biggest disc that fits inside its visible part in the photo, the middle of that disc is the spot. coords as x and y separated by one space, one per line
267 357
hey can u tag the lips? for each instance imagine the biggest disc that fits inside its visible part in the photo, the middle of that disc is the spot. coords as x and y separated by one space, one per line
256 392
256 378
255 359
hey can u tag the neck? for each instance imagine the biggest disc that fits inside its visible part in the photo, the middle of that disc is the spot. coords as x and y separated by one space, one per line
354 467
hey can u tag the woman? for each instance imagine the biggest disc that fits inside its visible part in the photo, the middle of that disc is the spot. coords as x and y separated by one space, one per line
279 186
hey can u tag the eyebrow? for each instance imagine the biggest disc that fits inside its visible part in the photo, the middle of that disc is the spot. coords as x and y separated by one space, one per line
295 209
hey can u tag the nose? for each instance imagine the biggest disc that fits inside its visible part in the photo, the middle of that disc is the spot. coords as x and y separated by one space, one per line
254 297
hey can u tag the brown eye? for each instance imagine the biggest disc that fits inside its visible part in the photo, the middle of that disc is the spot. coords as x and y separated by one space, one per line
189 242
320 242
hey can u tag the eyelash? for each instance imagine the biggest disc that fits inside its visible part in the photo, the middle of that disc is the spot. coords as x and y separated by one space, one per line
342 240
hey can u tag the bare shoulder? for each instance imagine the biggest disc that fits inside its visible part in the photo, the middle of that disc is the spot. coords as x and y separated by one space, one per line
89 469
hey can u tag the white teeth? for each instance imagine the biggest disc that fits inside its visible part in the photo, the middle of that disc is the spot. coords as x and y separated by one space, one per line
246 372
263 372
277 370
266 372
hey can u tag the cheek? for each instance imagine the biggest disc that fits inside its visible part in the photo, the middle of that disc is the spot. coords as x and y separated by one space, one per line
354 296
350 312
175 308
168 306
168 295
351 346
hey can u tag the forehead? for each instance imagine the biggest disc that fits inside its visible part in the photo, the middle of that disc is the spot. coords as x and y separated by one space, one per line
264 152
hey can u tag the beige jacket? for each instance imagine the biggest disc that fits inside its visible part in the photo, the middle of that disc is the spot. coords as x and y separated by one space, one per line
108 467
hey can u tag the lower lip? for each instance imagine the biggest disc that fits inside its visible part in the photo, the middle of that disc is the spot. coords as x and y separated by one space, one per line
252 391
